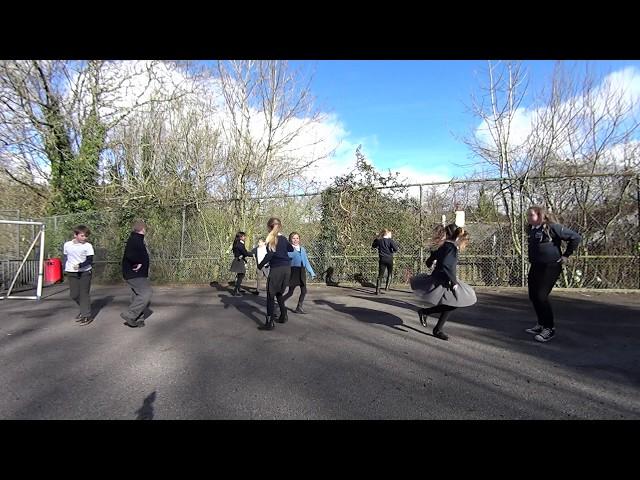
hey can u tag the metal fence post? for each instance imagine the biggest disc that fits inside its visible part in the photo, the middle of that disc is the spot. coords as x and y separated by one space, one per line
181 259
522 245
638 243
18 236
421 233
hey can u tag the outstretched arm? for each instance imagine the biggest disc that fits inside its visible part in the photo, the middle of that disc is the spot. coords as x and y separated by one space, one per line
267 258
307 264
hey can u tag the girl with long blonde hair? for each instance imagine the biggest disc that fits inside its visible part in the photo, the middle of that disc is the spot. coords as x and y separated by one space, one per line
277 257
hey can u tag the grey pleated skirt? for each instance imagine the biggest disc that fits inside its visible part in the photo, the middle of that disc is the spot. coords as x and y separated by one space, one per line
278 279
431 290
238 266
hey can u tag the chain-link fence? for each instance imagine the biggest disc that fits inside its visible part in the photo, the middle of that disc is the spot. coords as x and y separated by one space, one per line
192 244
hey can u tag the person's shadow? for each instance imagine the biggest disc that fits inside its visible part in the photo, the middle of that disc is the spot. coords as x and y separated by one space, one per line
145 412
358 277
99 304
369 315
330 282
254 309
243 289
95 309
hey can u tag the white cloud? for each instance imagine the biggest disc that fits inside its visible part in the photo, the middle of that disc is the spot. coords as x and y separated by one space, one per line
337 155
411 175
623 84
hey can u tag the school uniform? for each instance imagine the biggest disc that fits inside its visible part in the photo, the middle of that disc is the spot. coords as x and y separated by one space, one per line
239 264
78 270
279 277
261 273
135 252
240 253
299 267
386 247
437 288
545 244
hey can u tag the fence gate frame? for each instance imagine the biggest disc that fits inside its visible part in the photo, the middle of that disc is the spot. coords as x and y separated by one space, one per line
39 236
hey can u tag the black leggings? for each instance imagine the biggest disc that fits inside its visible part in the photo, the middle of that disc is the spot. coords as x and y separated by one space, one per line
239 278
445 312
542 278
271 300
303 293
385 263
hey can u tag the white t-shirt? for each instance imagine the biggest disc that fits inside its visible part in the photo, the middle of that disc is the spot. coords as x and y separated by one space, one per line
77 253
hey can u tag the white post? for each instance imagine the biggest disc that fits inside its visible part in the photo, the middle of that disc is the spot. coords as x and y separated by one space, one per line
41 263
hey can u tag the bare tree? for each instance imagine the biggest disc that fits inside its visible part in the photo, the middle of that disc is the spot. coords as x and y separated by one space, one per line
56 116
495 142
267 131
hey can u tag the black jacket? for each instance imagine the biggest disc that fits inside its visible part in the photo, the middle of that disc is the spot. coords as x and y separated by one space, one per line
432 257
386 247
545 243
240 251
280 257
134 253
446 258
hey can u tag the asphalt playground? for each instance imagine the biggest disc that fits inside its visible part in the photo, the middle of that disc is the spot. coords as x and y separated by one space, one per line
353 355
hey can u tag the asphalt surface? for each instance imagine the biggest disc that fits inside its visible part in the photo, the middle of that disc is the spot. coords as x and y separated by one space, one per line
354 355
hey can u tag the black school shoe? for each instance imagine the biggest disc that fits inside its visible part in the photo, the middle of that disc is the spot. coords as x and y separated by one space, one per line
441 335
128 322
422 313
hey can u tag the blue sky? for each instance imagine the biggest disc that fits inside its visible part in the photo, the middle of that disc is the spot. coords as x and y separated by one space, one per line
406 113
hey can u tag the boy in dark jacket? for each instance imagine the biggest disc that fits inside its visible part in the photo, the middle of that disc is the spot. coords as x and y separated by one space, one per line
135 270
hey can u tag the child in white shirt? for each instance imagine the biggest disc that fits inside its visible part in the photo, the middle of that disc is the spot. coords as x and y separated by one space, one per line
78 260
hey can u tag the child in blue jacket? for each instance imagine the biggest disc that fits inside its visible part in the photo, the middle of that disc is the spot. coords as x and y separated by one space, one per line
299 267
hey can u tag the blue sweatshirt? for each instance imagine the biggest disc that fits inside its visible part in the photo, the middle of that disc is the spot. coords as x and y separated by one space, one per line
300 259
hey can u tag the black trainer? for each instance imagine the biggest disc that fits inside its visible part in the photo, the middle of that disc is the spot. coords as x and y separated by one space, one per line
268 325
422 313
440 334
537 329
546 335
128 322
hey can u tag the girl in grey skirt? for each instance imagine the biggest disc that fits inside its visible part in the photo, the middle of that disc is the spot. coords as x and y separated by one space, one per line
442 288
239 263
